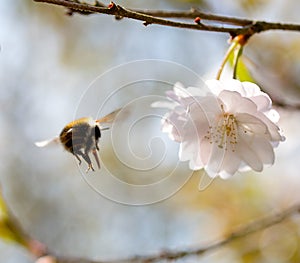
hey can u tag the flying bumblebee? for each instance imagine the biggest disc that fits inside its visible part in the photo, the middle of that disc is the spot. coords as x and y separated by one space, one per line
80 137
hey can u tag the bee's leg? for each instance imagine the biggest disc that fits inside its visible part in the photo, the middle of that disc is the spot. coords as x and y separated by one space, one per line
77 157
88 160
94 151
90 167
96 143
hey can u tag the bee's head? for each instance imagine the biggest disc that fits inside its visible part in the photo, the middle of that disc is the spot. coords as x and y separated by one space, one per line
97 132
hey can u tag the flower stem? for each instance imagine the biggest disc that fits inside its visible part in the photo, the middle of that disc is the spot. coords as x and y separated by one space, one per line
226 57
237 53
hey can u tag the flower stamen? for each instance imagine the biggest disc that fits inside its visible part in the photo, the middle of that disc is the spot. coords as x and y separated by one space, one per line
225 132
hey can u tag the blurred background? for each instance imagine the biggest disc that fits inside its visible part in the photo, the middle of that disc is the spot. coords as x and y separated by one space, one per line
50 65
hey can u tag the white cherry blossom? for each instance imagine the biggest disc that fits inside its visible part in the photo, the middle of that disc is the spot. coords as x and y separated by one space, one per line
230 128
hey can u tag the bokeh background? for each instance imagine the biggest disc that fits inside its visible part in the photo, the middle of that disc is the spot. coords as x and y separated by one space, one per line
48 61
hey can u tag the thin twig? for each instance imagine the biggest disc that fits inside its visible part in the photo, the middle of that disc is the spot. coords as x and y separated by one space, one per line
241 232
244 26
121 12
193 13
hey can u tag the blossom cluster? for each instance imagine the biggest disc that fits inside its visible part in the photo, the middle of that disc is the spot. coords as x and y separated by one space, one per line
229 128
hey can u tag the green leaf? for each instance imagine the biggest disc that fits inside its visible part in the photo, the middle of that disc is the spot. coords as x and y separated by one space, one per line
243 74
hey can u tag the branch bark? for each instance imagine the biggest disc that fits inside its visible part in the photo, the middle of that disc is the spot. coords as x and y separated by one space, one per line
243 231
234 26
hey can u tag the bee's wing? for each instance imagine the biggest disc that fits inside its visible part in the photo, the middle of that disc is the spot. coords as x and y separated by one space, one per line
48 142
109 117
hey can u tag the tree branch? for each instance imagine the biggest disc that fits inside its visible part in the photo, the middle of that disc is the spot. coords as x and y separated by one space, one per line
241 232
193 13
234 26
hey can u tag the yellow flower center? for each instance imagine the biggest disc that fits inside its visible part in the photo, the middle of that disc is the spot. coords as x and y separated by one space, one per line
224 133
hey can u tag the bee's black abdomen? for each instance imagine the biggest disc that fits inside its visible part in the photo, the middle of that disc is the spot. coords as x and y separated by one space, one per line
68 142
66 139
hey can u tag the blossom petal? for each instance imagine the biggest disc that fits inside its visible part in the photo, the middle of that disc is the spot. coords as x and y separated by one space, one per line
215 86
262 148
205 150
234 85
199 91
190 152
263 102
172 95
244 167
273 115
215 161
236 103
222 161
173 123
205 108
180 91
252 125
248 155
272 127
164 104
251 89
231 164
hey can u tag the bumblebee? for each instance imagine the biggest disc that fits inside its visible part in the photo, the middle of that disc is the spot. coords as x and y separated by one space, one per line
81 137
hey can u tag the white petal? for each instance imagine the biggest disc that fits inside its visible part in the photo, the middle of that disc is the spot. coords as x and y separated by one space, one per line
214 86
272 127
244 167
263 149
248 155
234 85
273 115
236 103
251 89
205 108
263 102
225 175
190 152
199 91
205 150
173 123
166 127
189 101
164 104
252 125
222 162
215 160
186 150
172 96
231 164
180 90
